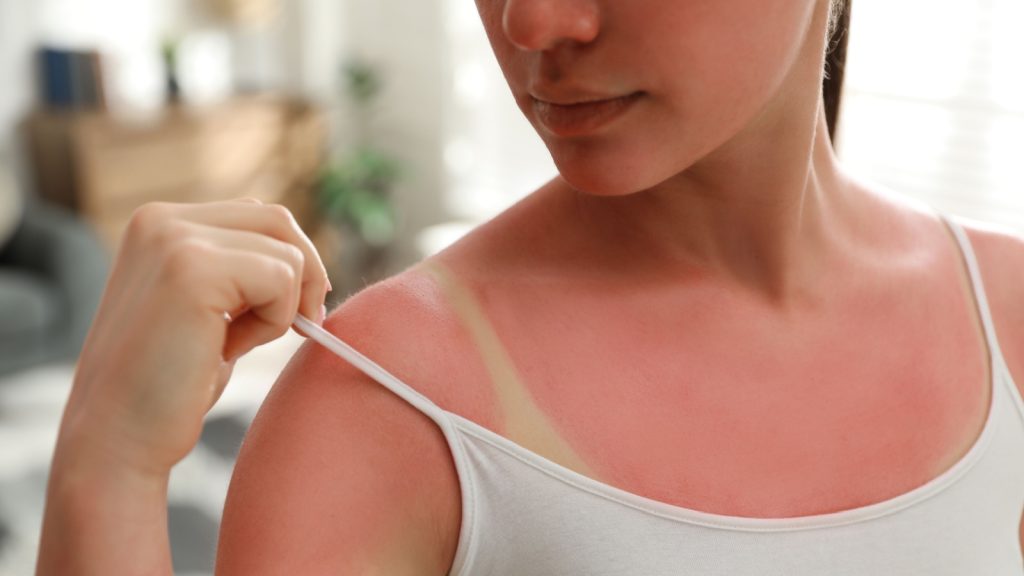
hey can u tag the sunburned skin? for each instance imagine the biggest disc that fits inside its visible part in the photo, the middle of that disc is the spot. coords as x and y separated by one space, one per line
523 422
690 420
710 429
728 407
332 474
702 308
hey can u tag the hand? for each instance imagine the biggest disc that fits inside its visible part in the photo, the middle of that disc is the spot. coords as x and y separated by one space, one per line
193 287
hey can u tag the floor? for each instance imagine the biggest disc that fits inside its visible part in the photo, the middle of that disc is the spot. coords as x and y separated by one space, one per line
30 409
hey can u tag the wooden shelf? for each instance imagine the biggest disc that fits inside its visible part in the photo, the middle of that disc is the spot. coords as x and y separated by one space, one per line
104 167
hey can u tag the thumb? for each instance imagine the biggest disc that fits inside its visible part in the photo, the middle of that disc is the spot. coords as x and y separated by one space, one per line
223 377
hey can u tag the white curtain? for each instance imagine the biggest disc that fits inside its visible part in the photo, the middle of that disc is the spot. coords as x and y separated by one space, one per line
934 103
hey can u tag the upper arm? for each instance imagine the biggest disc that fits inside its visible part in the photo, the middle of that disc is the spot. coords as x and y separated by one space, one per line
338 475
1001 261
1000 256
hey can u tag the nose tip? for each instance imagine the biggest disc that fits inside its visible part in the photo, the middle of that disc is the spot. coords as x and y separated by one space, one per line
537 25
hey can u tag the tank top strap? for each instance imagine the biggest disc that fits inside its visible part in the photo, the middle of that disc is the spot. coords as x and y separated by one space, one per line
495 358
977 288
524 422
414 398
373 370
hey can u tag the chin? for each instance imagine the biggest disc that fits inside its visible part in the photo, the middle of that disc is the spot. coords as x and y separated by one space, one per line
595 184
587 170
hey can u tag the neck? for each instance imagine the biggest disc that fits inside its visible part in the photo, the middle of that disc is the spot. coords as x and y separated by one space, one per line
763 212
769 211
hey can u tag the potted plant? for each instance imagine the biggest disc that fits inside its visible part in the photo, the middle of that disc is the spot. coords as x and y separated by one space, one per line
354 188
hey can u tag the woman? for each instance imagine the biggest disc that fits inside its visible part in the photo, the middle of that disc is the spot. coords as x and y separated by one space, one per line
702 349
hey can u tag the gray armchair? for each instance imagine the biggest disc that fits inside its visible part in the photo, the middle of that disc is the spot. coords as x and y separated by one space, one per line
52 273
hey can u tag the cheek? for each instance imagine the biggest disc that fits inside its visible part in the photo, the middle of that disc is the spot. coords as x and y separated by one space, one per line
724 56
488 9
711 67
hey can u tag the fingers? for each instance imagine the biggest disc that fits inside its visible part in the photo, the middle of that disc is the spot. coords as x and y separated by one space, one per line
223 377
309 286
269 286
271 219
252 218
193 287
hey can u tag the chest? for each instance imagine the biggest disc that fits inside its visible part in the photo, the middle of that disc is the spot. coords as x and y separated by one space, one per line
727 412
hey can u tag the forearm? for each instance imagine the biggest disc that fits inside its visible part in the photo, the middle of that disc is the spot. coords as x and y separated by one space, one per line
103 519
191 285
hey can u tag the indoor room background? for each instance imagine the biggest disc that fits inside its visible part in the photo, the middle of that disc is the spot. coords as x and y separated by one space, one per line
387 128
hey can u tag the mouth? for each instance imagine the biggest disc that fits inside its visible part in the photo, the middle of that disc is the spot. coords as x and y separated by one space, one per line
585 116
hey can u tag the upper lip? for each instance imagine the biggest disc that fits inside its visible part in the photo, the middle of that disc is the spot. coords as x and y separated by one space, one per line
571 97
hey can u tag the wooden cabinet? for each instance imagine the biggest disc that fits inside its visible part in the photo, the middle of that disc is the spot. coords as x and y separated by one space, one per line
104 167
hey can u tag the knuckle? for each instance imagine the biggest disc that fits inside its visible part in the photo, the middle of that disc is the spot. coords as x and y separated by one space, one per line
167 234
184 260
282 213
276 326
286 281
296 255
279 324
286 254
145 219
280 270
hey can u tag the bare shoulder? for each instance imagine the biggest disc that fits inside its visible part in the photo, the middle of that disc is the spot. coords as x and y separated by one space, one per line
406 324
339 475
1000 254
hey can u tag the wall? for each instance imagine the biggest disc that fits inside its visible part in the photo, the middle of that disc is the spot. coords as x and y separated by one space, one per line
299 55
406 38
17 27
303 56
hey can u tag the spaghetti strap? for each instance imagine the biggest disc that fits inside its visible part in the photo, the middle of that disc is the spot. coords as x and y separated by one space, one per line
978 289
373 370
524 422
463 466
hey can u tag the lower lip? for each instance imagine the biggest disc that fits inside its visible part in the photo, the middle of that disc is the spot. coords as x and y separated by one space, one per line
582 119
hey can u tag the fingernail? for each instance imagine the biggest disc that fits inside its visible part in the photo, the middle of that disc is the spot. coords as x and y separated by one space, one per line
323 314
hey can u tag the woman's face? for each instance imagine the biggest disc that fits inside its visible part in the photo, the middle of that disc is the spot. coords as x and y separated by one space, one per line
662 82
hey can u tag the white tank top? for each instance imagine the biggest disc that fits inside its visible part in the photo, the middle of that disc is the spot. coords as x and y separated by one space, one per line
525 515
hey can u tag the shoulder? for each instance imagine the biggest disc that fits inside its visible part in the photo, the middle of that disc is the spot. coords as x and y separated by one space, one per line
407 325
338 472
1000 255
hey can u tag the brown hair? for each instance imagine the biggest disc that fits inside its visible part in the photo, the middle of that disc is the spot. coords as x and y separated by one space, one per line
835 61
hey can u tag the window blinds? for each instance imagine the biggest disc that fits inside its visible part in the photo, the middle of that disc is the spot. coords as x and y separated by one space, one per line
933 108
934 103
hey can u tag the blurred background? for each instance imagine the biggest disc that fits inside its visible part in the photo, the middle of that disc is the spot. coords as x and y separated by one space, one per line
387 128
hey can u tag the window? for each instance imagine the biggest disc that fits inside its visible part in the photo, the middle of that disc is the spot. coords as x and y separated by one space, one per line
934 103
492 155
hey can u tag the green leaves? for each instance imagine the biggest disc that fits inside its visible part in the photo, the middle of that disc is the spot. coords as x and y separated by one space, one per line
355 188
362 82
355 191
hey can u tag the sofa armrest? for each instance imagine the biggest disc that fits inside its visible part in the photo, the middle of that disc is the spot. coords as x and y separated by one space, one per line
61 249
